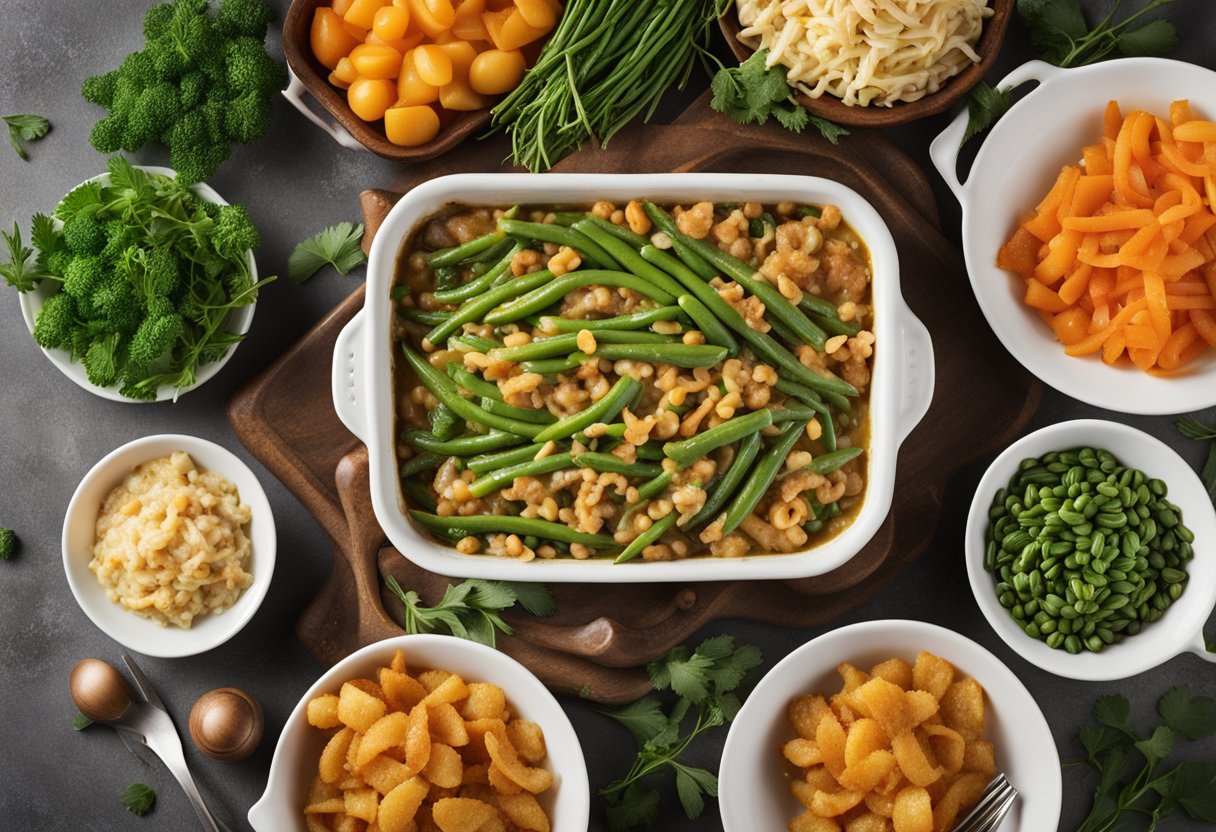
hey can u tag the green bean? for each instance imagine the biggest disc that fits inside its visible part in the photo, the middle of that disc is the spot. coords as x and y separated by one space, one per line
592 252
654 487
445 390
476 342
634 320
468 381
828 437
613 431
567 342
416 493
607 462
651 451
829 462
499 523
833 326
553 366
568 217
605 410
481 283
627 255
681 355
816 305
776 303
793 411
687 451
464 251
445 424
656 530
546 295
461 445
783 332
765 472
421 462
419 316
621 232
474 308
491 481
763 345
715 331
524 414
746 454
482 463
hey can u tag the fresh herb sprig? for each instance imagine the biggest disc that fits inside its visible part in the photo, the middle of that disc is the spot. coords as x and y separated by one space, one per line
139 799
1192 429
1155 791
703 681
752 92
8 544
25 128
1063 36
470 609
80 722
338 246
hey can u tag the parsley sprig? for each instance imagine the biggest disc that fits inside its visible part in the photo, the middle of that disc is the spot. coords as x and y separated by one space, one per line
25 128
704 681
139 799
1155 791
1192 429
751 92
1063 36
338 246
470 609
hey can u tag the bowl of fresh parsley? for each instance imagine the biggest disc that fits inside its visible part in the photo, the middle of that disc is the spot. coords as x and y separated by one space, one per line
136 286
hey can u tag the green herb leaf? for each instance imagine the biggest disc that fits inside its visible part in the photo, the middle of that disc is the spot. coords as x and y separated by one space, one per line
637 807
1194 429
1113 710
535 598
339 246
1157 746
1193 787
752 92
468 610
692 784
21 271
1055 25
80 722
1060 31
25 128
1192 716
644 718
139 799
1154 39
985 106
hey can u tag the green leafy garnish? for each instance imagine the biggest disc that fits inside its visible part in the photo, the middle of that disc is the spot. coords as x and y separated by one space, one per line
139 799
25 128
1192 429
338 246
703 682
1154 791
1062 35
80 722
470 609
751 92
22 271
8 544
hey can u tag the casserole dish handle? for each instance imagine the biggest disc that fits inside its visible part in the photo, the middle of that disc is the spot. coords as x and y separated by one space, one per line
1199 646
348 392
916 375
295 93
945 148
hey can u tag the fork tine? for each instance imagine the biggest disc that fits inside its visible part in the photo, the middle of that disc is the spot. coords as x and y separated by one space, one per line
993 806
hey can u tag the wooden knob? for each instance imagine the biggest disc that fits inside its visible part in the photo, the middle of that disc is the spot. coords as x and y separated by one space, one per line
226 724
99 691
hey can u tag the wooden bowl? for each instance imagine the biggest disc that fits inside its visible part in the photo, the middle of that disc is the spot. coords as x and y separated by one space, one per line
298 52
832 108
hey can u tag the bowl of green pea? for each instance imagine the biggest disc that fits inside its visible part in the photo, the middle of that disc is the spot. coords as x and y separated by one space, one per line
1088 550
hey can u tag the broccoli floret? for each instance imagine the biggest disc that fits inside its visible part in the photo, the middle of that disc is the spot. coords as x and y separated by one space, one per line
8 544
106 136
159 306
155 337
82 277
156 21
100 88
250 69
84 233
164 272
244 17
192 89
196 163
118 304
57 262
154 112
137 69
56 322
234 233
247 117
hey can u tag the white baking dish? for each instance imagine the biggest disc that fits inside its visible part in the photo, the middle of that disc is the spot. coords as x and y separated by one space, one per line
901 388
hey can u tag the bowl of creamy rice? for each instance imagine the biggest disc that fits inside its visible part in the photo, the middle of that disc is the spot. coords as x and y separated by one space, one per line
169 545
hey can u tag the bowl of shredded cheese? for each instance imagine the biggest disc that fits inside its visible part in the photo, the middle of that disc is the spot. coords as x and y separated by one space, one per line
872 63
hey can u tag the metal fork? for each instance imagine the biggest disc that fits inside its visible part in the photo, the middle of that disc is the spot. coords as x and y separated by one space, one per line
994 805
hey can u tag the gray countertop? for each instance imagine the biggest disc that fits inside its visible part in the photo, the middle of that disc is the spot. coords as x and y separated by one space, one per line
296 181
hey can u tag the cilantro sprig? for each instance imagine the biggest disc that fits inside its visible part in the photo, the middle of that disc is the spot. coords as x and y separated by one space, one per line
470 609
1063 36
703 681
139 799
752 92
25 128
337 246
1156 790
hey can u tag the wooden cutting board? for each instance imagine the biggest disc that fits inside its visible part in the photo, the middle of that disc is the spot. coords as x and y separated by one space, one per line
602 636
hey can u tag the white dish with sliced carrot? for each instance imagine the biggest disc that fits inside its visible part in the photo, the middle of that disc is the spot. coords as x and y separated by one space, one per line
1091 242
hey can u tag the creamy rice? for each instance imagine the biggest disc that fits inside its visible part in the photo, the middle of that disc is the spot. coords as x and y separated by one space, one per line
170 543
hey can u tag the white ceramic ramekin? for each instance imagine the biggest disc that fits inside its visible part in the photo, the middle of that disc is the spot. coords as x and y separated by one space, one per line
901 389
1180 629
79 532
1012 172
568 802
238 321
753 792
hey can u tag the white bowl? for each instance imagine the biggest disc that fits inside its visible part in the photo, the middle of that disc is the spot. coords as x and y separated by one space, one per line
568 802
1181 627
753 793
1012 172
126 627
901 388
238 321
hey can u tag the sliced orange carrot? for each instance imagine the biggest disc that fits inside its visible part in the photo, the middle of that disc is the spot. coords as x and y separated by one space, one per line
1112 120
1046 224
1020 253
1062 254
1195 131
1205 324
1096 161
1190 302
1094 342
1041 297
1180 112
1070 326
1119 221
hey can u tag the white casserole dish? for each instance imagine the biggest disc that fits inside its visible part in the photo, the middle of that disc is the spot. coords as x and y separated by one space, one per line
1012 172
901 387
